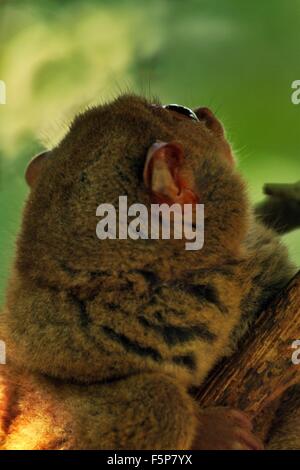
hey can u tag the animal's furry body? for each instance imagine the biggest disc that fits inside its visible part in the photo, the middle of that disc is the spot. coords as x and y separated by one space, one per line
105 338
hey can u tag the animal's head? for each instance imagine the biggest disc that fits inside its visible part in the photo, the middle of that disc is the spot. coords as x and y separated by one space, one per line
149 153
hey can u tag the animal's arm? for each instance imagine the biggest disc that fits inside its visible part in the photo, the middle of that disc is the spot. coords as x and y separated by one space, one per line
280 210
144 411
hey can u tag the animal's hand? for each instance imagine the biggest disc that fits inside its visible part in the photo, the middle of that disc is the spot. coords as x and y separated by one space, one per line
223 428
280 210
289 192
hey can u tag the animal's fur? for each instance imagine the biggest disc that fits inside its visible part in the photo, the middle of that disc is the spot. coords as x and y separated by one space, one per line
104 338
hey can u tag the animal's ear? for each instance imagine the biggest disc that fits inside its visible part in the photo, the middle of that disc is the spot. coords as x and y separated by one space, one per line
163 174
208 117
34 167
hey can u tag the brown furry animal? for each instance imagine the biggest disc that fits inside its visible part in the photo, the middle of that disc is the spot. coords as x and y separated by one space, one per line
105 338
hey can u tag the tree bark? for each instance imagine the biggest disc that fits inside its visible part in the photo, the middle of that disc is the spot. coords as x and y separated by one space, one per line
262 369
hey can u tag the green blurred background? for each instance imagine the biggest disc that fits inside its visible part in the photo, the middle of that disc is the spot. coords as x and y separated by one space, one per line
237 57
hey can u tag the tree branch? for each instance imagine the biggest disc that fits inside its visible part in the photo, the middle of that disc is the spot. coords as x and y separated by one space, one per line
263 369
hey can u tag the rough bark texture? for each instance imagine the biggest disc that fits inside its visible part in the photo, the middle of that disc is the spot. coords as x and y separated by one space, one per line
263 369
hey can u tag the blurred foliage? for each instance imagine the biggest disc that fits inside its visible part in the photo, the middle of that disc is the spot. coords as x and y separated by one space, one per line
239 58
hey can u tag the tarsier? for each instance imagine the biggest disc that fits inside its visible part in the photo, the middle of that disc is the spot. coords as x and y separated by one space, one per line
106 339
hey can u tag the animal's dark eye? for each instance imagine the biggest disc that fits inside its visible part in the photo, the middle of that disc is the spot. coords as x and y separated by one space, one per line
182 110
